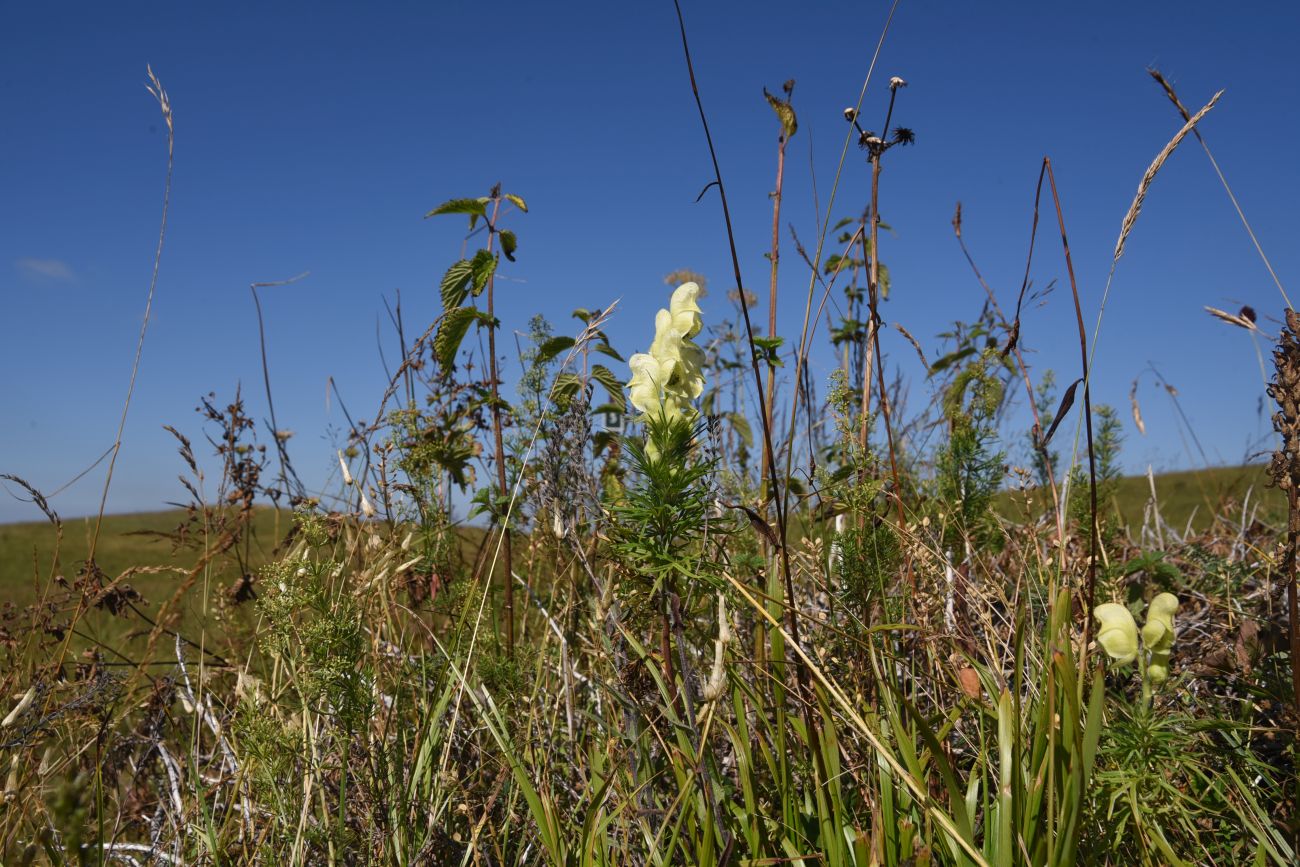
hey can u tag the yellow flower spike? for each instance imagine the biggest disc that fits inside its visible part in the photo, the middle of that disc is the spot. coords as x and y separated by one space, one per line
1118 635
671 375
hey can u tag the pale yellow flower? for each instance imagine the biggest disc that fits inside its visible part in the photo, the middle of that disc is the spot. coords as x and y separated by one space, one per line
1158 635
671 375
685 309
648 380
1118 635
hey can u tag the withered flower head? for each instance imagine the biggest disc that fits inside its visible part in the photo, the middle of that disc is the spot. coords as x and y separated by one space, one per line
904 136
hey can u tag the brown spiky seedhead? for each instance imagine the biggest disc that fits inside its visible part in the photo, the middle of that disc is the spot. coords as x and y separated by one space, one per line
1285 389
1285 470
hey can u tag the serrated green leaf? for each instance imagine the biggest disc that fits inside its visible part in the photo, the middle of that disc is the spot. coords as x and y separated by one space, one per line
482 268
508 244
613 385
553 347
784 111
451 331
516 201
454 284
565 387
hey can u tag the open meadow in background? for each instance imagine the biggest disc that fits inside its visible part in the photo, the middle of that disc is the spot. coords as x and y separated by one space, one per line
757 576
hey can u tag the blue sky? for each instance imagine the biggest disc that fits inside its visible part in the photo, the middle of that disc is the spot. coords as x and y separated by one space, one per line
314 137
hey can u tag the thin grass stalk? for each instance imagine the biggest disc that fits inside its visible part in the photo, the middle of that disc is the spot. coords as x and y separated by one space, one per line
809 324
775 256
873 300
1013 328
502 484
1241 215
782 553
164 104
286 467
1094 534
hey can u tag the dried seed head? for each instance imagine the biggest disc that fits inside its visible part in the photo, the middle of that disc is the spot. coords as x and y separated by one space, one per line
850 114
895 83
1285 389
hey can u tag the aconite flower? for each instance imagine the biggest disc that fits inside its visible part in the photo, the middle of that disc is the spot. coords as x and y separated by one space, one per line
671 375
1158 635
1118 635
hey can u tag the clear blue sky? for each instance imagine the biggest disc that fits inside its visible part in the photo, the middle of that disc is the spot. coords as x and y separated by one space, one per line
316 136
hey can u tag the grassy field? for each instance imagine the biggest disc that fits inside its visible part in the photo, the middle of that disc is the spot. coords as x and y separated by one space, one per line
1186 499
26 549
126 541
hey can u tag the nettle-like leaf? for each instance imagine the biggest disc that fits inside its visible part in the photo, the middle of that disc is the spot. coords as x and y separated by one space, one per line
475 208
455 284
482 267
606 377
553 347
509 244
451 331
784 111
766 349
516 201
565 387
605 349
741 426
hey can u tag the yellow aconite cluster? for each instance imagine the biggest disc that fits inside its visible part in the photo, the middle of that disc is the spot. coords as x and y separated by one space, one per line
1118 635
1158 635
667 378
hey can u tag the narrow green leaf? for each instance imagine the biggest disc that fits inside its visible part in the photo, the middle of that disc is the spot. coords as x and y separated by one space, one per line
516 201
